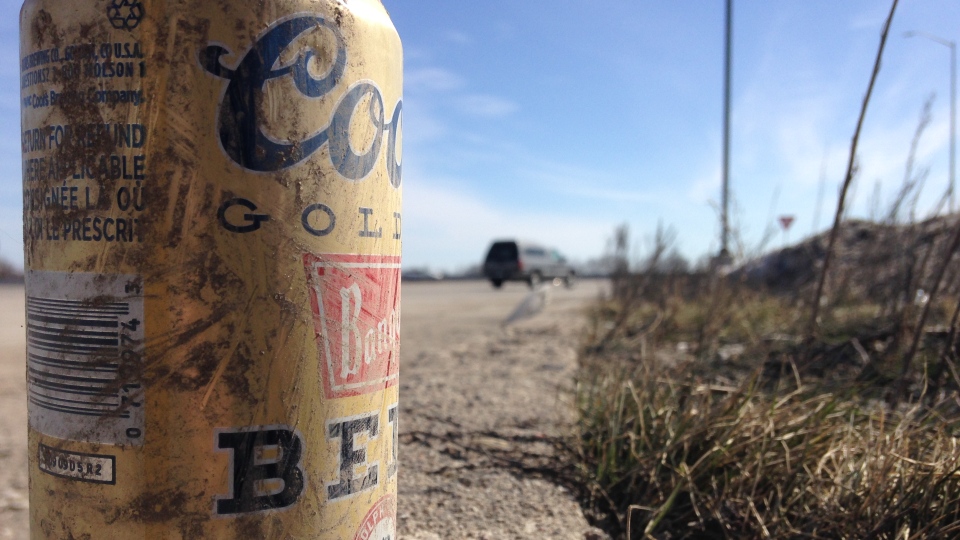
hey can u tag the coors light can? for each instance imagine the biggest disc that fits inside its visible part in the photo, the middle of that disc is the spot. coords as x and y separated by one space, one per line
212 238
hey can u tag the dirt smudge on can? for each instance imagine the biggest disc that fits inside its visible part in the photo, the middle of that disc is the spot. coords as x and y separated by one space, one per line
197 368
42 25
163 507
240 377
179 211
247 527
59 530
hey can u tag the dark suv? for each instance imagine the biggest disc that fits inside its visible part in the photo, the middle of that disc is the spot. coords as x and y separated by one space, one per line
513 260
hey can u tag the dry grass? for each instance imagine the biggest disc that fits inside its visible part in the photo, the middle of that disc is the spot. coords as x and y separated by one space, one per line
704 411
684 448
687 459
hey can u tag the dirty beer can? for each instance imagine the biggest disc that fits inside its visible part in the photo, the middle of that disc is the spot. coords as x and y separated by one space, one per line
212 238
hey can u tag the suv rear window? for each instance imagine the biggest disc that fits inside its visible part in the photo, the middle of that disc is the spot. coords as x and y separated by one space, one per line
502 252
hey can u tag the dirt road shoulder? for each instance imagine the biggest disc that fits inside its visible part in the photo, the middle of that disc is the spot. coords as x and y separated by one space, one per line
480 410
14 515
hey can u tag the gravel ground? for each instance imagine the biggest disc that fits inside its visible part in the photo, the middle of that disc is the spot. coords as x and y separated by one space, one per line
480 403
14 518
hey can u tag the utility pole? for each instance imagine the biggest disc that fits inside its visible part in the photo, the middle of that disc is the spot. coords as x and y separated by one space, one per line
725 197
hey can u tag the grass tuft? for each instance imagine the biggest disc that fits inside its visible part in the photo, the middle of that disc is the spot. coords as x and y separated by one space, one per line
690 459
783 438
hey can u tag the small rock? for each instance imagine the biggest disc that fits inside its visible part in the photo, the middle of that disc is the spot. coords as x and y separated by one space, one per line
730 352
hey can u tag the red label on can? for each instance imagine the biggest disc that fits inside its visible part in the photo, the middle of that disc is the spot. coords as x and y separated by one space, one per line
380 522
356 315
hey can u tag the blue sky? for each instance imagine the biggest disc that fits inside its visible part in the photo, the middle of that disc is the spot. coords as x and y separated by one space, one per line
558 123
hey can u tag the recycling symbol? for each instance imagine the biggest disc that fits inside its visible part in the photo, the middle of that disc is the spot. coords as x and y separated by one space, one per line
125 14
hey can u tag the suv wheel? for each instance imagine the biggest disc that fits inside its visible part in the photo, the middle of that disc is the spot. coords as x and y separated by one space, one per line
497 283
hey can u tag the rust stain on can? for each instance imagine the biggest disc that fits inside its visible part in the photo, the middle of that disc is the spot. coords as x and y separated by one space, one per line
212 233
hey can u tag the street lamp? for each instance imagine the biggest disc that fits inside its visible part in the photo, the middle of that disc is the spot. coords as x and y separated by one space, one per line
953 103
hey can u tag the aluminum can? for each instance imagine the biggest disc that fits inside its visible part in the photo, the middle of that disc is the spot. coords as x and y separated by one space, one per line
212 237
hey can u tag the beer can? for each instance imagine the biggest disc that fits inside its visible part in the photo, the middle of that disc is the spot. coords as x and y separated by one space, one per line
212 238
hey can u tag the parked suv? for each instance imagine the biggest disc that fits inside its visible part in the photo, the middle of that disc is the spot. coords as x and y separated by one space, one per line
513 260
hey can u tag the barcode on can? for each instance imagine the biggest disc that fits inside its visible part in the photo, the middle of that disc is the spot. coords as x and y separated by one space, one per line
84 356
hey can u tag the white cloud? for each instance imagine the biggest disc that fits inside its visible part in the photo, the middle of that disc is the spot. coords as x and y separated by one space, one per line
420 123
871 18
445 227
883 158
706 187
460 38
431 79
485 105
582 183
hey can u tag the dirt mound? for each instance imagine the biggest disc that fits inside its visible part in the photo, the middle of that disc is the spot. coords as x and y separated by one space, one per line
872 260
